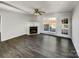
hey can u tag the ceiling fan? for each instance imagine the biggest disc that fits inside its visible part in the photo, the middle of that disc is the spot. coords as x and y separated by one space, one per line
37 12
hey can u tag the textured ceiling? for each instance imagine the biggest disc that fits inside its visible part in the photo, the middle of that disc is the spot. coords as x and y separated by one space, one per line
47 6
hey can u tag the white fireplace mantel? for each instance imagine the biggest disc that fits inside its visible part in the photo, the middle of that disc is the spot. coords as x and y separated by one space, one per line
32 24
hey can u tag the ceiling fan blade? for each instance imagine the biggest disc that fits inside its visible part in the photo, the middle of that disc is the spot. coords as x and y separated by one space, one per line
42 11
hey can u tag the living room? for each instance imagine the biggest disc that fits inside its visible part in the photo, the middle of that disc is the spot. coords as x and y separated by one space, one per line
39 29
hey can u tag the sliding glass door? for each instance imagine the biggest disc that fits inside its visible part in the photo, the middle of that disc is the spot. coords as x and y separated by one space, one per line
50 24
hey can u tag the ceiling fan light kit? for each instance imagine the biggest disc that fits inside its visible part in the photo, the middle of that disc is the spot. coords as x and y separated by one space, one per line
36 14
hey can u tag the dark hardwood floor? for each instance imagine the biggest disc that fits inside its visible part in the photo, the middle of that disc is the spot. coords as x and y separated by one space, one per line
0 36
37 46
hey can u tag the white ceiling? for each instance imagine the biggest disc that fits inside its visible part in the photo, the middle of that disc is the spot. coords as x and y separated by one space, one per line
47 6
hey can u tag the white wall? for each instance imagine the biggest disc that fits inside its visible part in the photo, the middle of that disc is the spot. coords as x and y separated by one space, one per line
0 23
75 28
13 24
59 17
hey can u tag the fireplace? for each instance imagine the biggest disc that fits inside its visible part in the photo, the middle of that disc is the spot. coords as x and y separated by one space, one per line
33 30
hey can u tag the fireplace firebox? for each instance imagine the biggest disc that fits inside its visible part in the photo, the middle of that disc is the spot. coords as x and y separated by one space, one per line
33 30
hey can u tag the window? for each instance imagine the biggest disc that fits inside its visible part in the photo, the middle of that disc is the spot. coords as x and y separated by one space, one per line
50 24
65 28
